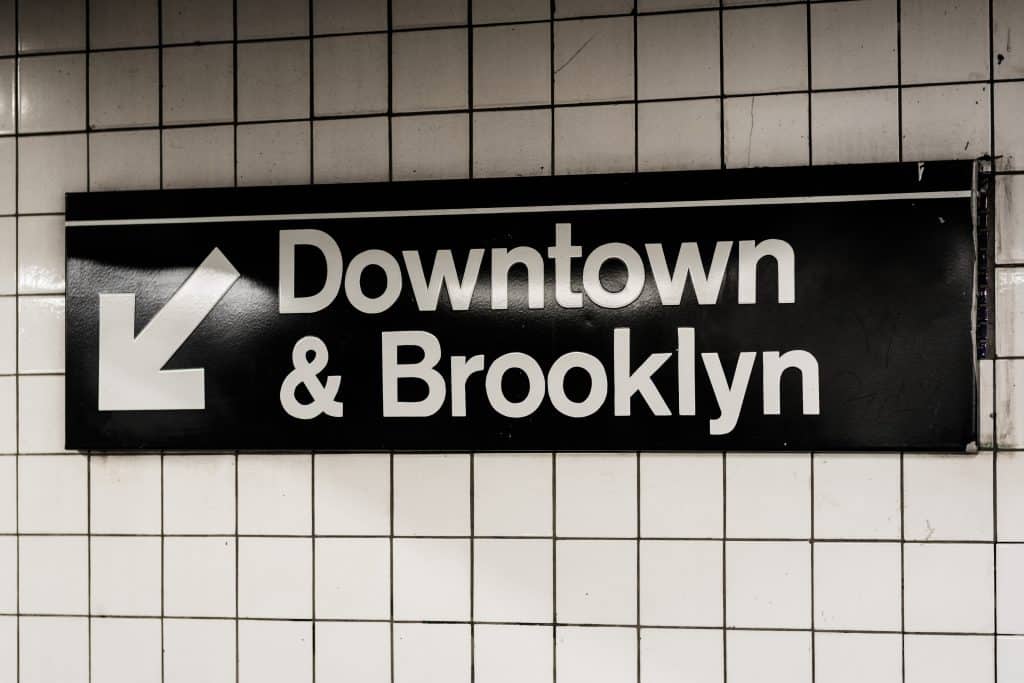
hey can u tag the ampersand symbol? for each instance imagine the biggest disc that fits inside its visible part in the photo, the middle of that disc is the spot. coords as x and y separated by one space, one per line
305 373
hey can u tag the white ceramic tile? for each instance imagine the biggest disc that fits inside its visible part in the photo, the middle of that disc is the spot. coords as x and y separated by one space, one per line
1010 658
494 11
857 495
948 587
199 494
1009 502
512 494
1009 140
125 496
51 93
352 493
679 135
199 157
126 160
40 254
350 150
575 8
8 336
770 130
50 26
275 578
54 577
350 75
272 18
857 586
1009 592
193 21
511 65
677 55
768 495
53 494
765 49
429 70
1010 311
425 653
1010 403
8 491
352 578
593 60
510 654
353 651
431 579
126 650
49 166
122 23
945 122
670 655
857 657
596 582
272 651
768 657
410 13
596 494
7 102
947 497
596 654
1010 219
511 143
681 583
343 16
198 84
274 154
199 650
274 494
7 26
928 29
681 495
125 576
41 334
512 580
8 251
37 639
431 494
853 43
1007 18
8 575
41 430
8 175
199 577
123 89
948 659
273 80
8 415
768 584
986 403
852 127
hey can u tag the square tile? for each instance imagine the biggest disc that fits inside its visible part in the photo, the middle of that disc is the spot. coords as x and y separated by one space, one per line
947 497
41 430
681 583
945 122
948 659
1010 311
512 580
496 11
8 174
593 60
7 101
765 49
353 578
857 657
128 160
41 334
8 575
353 651
1009 658
125 494
199 577
412 13
432 652
1007 17
122 23
49 166
929 27
8 494
125 576
350 75
768 495
352 493
857 495
53 494
575 8
761 656
8 250
431 579
511 654
272 18
9 648
198 84
199 157
431 494
1009 403
1009 592
199 650
39 637
123 89
53 575
770 130
596 494
679 135
274 154
511 143
196 21
350 150
986 401
768 584
429 70
677 55
852 127
346 16
275 578
8 335
1009 502
857 586
932 571
270 651
8 415
512 494
7 26
596 582
672 655
274 494
199 494
41 255
273 80
51 93
596 654
853 44
126 650
51 26
512 65
1009 140
1009 218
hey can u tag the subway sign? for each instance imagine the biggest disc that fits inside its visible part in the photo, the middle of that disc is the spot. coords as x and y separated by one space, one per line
803 309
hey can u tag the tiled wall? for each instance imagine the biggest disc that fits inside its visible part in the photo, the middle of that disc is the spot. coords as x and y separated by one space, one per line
605 568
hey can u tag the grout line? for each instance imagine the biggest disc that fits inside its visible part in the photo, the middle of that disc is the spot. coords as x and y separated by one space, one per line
721 89
899 78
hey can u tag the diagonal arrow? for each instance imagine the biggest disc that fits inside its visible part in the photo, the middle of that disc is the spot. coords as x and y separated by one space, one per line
130 373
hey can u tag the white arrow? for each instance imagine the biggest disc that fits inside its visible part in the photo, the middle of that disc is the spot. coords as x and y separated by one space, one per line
130 374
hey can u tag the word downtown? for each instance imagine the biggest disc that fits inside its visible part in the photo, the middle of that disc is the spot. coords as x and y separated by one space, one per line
622 381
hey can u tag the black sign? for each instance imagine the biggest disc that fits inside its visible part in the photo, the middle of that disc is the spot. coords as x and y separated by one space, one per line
777 309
